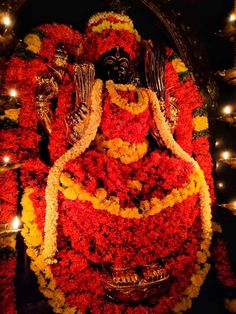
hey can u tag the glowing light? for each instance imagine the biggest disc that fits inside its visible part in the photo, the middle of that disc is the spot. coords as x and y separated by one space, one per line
217 143
232 17
225 155
220 185
234 204
12 92
217 165
6 159
227 109
6 20
16 223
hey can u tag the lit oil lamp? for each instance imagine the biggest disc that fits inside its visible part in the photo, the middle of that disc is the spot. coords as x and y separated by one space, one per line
10 228
7 165
230 206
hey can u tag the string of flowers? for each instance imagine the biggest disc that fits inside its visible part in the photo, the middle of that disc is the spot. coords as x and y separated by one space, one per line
34 241
134 108
50 245
204 193
124 151
100 201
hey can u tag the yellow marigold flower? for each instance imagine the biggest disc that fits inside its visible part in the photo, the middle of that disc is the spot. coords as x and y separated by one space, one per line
201 257
66 180
32 253
197 280
101 194
42 282
117 26
134 184
52 283
185 304
178 65
12 114
192 292
71 310
230 305
200 123
33 43
47 293
70 193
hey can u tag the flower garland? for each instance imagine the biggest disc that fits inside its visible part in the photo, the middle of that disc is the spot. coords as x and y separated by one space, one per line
47 284
34 241
106 30
204 193
100 201
134 108
108 20
54 174
124 151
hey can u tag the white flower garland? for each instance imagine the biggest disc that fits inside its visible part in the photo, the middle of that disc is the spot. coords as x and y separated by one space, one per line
205 202
50 228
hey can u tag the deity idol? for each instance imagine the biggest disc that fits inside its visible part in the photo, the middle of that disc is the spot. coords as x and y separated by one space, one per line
119 219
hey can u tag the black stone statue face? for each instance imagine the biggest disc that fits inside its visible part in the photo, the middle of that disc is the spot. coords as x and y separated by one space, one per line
115 65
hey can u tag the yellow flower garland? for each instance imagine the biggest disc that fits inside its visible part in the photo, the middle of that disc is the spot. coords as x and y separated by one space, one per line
124 151
116 26
125 23
34 241
100 201
134 108
50 229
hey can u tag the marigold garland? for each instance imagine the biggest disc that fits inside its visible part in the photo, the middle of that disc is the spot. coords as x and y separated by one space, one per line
34 241
134 108
124 151
100 201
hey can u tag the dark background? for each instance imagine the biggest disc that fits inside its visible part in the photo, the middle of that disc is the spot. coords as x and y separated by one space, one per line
204 18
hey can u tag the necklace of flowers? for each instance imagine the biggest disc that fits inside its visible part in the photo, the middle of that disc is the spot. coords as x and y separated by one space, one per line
133 107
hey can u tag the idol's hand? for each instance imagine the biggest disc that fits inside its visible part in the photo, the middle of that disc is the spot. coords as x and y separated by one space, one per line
76 123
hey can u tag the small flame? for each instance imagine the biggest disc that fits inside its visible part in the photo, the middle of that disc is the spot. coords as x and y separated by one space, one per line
16 223
12 92
6 159
232 17
227 109
225 155
6 20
